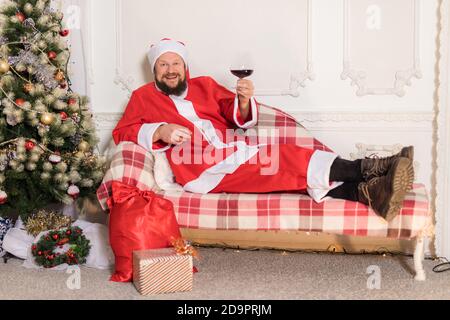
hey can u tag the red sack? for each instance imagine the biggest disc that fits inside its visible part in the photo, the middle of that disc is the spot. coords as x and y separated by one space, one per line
139 220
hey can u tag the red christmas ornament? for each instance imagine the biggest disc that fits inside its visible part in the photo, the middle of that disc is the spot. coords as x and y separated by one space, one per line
55 237
64 116
3 197
34 247
40 253
64 33
20 16
68 232
51 55
29 145
20 102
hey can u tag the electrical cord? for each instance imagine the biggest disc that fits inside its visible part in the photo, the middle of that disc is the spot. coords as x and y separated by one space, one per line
442 267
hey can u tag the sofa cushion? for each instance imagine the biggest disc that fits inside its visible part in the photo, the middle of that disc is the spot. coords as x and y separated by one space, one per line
298 212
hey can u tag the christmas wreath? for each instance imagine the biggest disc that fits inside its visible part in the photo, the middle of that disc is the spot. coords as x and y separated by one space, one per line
61 246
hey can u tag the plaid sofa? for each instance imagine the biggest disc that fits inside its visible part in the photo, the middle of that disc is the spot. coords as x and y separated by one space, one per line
133 165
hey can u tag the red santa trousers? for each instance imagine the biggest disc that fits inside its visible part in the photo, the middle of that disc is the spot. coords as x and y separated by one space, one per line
278 168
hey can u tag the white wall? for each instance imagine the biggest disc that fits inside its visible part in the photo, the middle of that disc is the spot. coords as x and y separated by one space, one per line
271 35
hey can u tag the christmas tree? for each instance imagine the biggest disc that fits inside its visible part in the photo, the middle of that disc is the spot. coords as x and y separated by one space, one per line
47 136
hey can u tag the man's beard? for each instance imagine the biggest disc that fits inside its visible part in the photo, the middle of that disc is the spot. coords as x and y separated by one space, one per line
178 90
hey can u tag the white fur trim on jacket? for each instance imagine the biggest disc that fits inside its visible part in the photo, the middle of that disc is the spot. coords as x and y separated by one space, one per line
145 136
318 178
254 111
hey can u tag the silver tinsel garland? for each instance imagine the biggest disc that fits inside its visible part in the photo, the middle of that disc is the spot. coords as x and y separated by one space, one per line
76 139
44 73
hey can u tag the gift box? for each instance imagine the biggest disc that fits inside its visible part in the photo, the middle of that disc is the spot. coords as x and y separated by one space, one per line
162 271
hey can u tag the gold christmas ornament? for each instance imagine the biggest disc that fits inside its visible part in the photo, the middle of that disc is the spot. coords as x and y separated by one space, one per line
47 118
59 76
4 66
84 146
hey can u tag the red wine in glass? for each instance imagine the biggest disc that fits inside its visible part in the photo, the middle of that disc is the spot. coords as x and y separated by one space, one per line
242 73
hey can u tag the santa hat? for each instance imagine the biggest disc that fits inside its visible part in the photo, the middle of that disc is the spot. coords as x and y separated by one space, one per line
167 45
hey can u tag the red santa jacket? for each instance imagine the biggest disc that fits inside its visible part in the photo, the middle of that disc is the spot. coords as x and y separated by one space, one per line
208 110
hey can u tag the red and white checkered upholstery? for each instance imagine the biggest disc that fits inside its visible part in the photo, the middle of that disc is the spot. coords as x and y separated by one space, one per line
133 165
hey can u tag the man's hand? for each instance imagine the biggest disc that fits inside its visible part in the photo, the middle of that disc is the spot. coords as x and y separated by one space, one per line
172 134
245 90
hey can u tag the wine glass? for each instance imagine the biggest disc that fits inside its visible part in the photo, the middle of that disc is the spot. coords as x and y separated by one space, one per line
242 67
242 72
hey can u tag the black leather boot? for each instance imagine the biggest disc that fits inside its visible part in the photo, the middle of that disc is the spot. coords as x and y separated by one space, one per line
378 167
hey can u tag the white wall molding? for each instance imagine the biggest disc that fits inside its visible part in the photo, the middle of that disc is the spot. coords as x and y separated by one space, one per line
321 120
87 41
321 116
441 172
124 81
402 77
297 80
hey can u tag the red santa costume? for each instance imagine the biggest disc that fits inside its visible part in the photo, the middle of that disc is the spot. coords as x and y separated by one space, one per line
209 163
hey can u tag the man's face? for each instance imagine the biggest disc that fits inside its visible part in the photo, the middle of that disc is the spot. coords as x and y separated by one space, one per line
170 73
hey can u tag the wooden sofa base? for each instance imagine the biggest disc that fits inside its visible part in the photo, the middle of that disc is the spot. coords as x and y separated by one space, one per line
283 240
297 240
